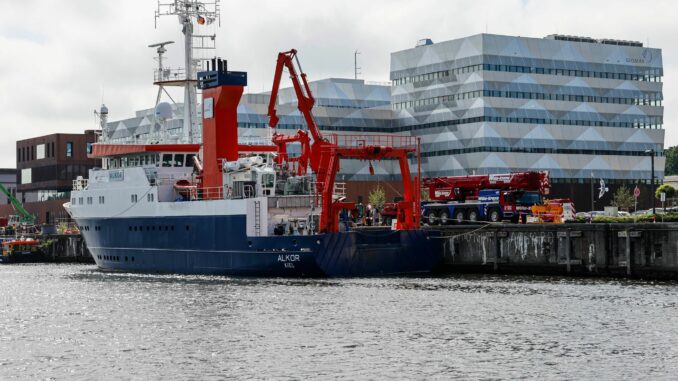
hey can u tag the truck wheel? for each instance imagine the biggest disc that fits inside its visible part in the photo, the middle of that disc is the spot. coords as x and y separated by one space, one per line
459 216
444 217
473 215
432 218
494 215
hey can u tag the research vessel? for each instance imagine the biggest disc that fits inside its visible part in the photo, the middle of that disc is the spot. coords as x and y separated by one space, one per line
219 205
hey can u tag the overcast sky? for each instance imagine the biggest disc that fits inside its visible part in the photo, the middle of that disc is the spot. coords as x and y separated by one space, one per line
58 59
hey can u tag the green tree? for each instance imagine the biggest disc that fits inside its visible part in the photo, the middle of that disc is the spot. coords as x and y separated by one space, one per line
666 188
623 198
671 155
377 197
425 195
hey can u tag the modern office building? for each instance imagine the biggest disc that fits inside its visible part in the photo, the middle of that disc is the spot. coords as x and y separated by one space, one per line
575 106
578 107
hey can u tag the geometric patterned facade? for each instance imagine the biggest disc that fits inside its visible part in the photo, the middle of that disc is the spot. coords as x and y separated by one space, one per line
490 103
487 104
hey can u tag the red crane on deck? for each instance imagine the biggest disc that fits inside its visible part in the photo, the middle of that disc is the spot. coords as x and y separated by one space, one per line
324 155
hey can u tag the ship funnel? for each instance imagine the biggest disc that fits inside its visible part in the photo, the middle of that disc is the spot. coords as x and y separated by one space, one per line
221 92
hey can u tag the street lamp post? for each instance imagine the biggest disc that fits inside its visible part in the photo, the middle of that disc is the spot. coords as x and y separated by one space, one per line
651 153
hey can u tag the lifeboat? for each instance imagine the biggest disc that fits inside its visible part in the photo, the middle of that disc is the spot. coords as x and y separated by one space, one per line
185 188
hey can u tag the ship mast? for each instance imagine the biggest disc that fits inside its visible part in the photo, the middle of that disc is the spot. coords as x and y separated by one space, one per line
189 12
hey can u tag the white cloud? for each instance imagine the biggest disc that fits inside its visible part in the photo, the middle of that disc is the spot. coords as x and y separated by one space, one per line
56 58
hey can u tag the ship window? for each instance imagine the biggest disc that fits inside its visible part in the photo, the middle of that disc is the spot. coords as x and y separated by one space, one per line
167 160
149 197
179 160
69 149
73 201
267 180
189 159
134 198
89 200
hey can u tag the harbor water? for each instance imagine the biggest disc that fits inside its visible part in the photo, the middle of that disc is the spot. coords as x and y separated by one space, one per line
76 322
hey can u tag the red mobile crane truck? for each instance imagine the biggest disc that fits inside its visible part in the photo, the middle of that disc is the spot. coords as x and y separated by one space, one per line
498 197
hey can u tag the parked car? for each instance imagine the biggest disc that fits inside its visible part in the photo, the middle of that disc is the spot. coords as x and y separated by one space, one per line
595 213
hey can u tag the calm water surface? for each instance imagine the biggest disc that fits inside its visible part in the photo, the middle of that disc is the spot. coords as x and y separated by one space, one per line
75 322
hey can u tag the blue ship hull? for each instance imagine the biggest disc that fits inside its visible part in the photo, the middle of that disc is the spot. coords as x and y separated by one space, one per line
219 245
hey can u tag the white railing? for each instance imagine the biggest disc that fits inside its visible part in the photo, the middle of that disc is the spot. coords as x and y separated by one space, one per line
79 184
168 74
379 83
255 141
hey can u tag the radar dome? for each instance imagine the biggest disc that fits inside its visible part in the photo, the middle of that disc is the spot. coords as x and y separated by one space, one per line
163 111
104 109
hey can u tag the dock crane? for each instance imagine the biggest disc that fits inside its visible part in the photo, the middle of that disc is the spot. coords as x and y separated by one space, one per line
24 217
324 154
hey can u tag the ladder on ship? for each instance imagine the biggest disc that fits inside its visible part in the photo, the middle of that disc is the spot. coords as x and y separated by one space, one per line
257 218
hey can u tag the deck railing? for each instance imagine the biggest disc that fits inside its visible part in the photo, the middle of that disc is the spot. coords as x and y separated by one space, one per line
359 141
80 184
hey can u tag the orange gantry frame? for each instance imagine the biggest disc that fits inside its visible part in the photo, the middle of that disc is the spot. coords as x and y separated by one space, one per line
325 154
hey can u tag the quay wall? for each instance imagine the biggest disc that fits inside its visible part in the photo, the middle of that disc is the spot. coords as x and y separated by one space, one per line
66 248
633 250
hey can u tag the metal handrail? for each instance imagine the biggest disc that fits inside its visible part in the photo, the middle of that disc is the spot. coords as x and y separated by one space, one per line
359 141
80 184
168 74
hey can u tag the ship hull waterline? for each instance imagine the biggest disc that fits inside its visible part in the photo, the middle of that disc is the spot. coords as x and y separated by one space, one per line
218 245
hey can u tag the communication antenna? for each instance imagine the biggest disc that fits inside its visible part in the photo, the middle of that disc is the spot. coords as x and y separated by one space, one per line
189 13
102 115
356 68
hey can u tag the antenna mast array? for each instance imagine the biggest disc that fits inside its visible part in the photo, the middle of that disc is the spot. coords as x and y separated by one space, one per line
189 12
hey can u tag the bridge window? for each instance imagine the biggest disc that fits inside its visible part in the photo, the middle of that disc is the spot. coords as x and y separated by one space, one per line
189 159
167 160
179 160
